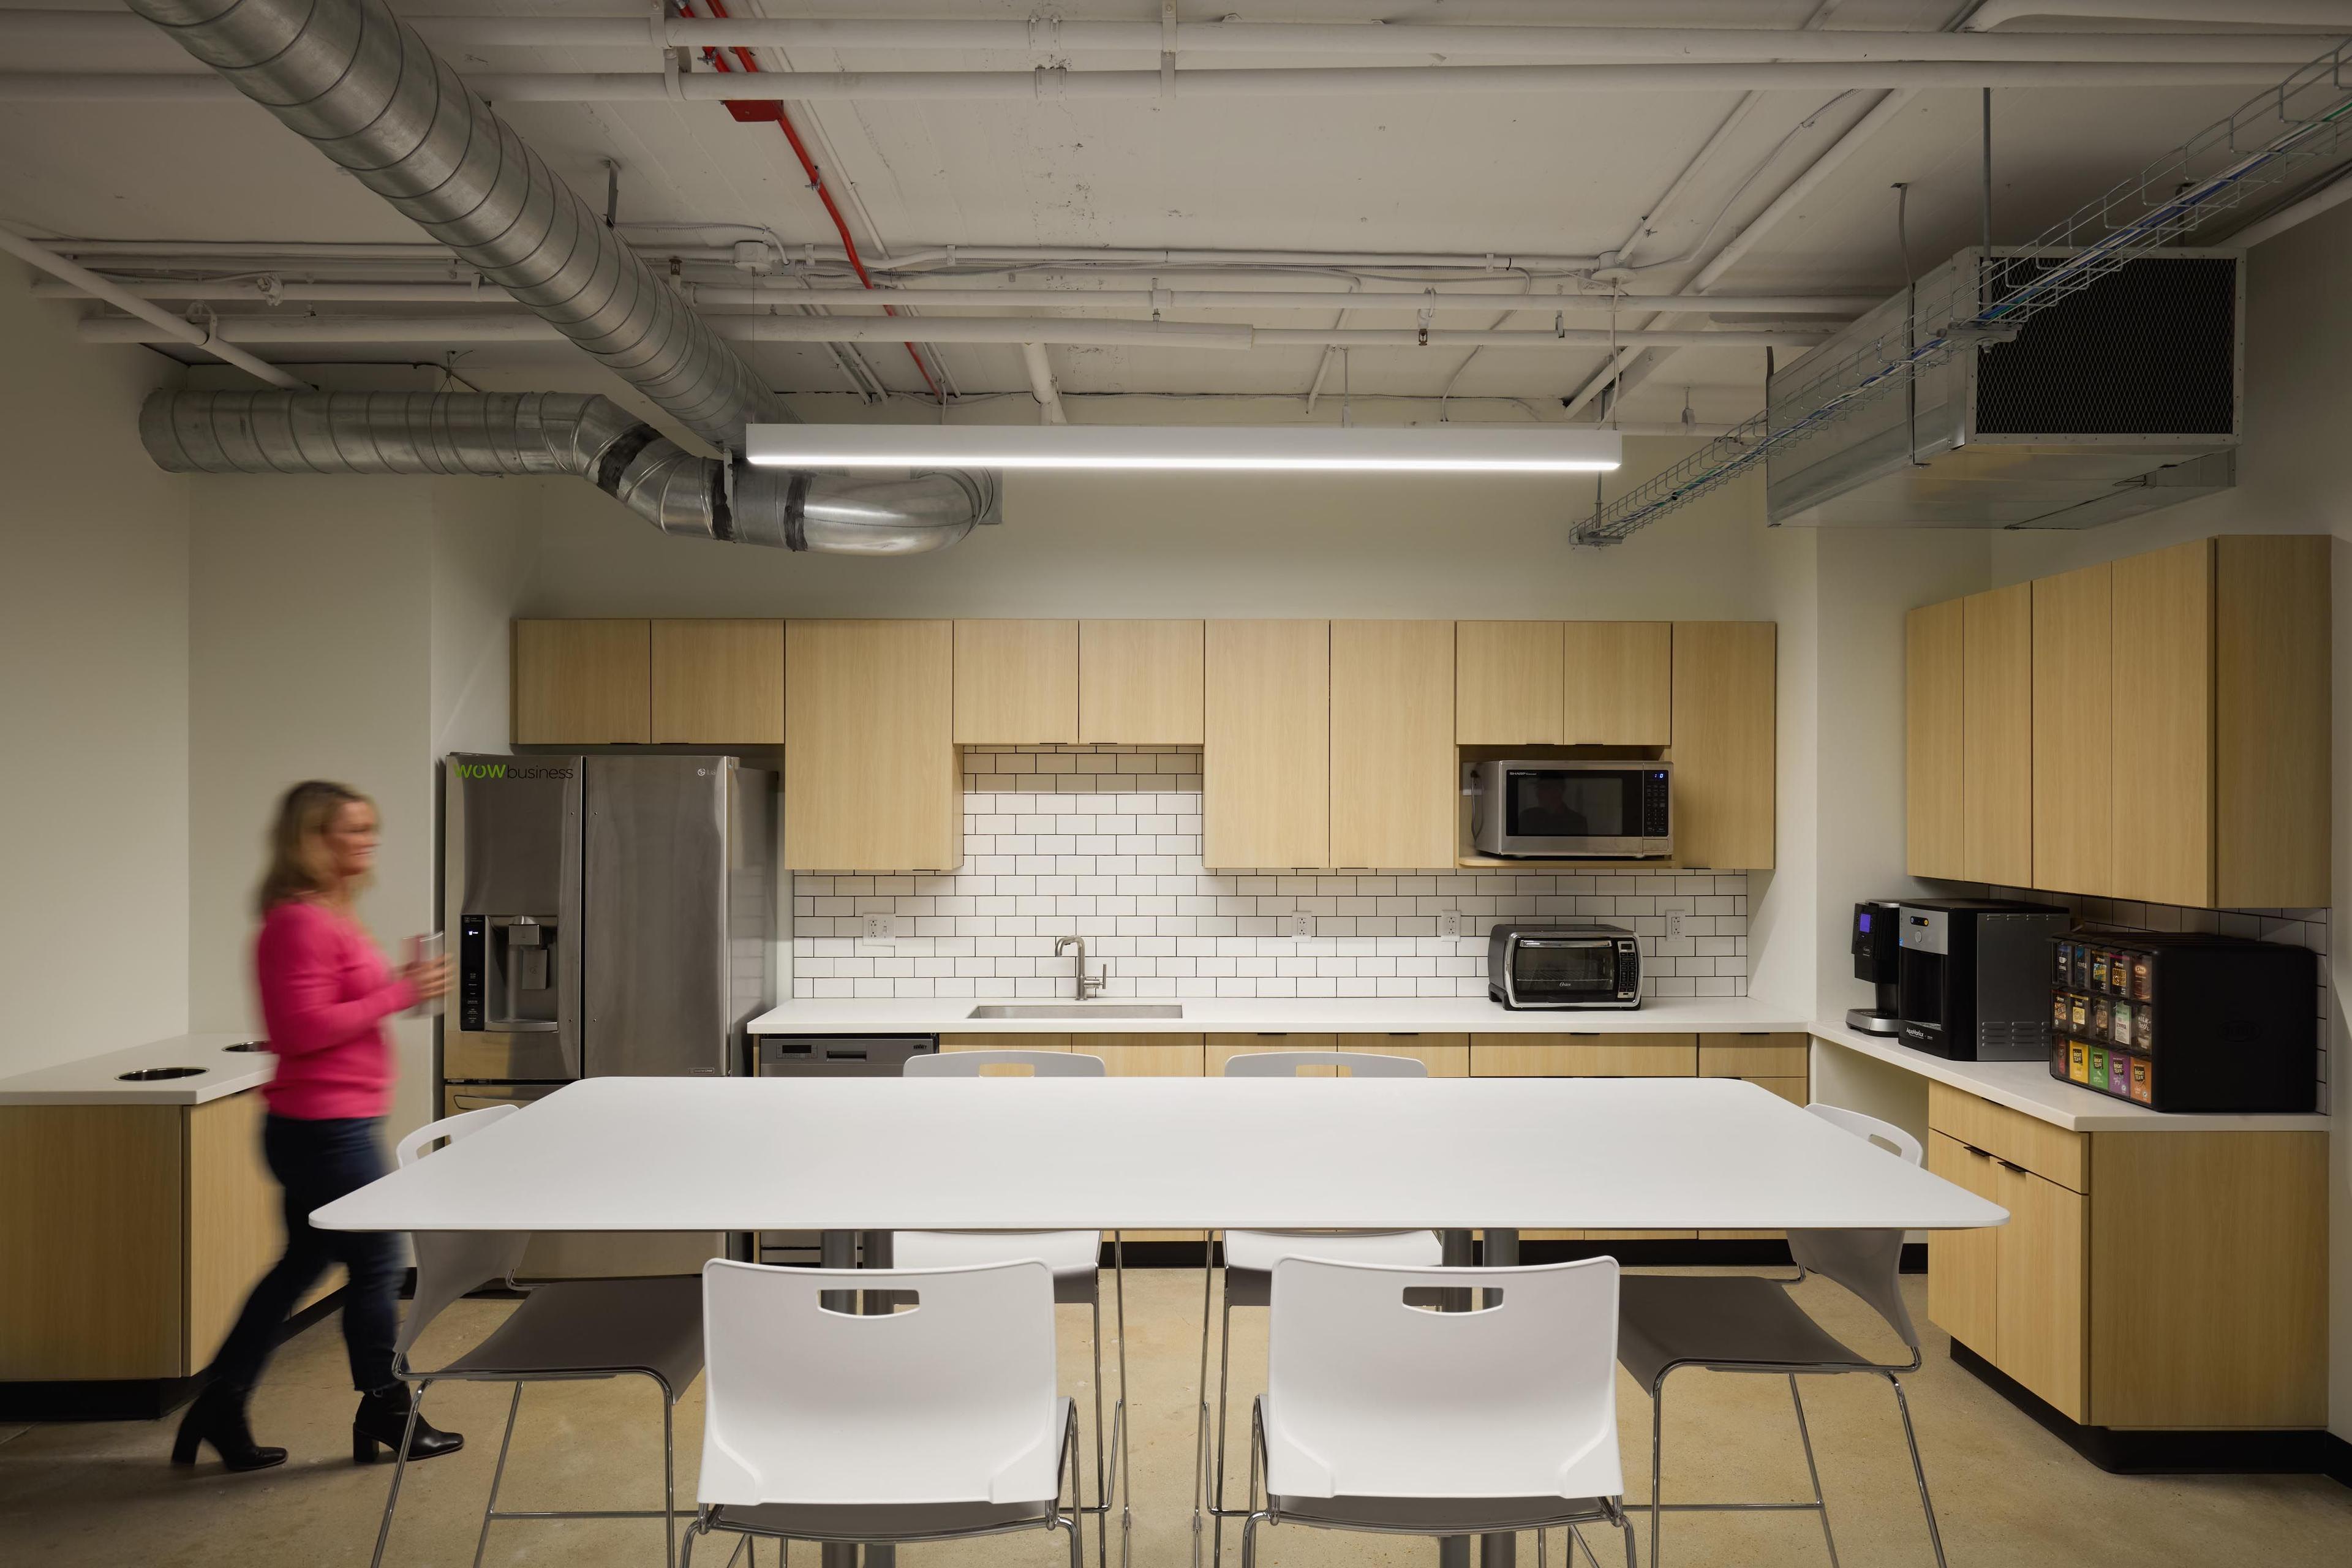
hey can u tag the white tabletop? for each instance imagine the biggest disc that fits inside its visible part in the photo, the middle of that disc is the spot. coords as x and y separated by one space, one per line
1148 1154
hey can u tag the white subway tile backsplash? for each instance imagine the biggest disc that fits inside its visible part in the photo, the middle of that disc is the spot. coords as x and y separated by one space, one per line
1105 843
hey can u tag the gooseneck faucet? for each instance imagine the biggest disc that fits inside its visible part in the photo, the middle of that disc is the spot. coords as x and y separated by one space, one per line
1084 987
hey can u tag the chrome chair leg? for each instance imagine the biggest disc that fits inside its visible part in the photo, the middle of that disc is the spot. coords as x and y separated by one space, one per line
1122 1431
1918 1471
1200 1424
1225 1376
1627 1526
685 1559
497 1474
1540 1552
1102 1468
669 1476
1249 1538
399 1468
1821 1504
1657 1448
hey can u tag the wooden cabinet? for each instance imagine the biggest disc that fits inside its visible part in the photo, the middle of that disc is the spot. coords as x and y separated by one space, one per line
1140 682
2074 731
1509 683
871 780
1934 685
2271 846
1997 727
1394 776
718 683
2168 1281
1618 678
1445 1056
583 683
2162 695
1723 681
1266 752
1016 682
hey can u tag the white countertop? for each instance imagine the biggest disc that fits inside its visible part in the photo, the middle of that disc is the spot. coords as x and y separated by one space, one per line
1137 1154
2028 1086
1304 1015
96 1081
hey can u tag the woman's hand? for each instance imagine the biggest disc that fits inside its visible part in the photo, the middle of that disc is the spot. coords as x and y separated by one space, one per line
428 976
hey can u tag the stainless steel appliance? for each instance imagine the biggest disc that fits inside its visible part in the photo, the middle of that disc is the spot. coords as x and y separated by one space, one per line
1975 977
1556 808
1878 958
612 917
1532 966
828 1056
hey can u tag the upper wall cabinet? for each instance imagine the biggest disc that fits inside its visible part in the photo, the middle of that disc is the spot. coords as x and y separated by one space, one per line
582 683
1393 780
1140 683
871 780
1618 679
1934 700
718 683
1016 682
2178 712
1508 683
1724 686
1265 747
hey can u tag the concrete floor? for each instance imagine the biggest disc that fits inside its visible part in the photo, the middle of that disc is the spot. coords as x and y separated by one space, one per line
2006 1491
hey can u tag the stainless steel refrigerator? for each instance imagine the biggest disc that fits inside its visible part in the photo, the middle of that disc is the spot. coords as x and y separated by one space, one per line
609 916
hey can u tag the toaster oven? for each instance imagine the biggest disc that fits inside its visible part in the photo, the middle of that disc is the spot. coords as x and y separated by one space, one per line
1563 966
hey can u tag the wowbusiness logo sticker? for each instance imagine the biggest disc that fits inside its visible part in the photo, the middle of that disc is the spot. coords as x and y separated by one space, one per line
507 771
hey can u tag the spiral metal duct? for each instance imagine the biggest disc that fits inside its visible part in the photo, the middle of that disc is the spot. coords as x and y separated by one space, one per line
361 86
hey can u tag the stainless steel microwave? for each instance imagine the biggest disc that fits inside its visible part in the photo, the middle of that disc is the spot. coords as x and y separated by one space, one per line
1556 809
1564 966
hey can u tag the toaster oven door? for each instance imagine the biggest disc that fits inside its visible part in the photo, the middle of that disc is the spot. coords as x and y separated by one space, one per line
1560 971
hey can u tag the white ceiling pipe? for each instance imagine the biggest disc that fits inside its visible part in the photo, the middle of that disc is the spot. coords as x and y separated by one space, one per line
1046 36
1040 385
1444 337
171 329
1056 84
250 289
2324 15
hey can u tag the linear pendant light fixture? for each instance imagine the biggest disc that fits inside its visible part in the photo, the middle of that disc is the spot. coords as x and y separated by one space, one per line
1424 448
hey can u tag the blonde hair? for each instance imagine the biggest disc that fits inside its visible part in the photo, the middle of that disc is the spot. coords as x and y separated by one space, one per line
298 865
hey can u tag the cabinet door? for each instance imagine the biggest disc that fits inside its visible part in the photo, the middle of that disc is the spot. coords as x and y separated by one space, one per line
1266 795
870 775
2272 789
1760 1057
1508 683
2074 731
1619 680
2163 702
1140 683
1016 682
1445 1056
93 1243
2041 1317
1961 1297
1997 727
718 683
1934 686
1583 1056
583 683
1147 1056
1723 749
1394 787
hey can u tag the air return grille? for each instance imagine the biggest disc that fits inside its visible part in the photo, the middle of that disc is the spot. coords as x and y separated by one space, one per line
2149 349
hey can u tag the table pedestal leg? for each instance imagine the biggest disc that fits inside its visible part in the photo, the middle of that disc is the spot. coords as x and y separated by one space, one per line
1500 1550
1453 1551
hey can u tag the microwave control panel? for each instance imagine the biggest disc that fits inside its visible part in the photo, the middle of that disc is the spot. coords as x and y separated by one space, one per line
1655 822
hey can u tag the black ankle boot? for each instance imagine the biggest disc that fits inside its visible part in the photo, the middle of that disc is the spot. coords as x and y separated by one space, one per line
218 1417
383 1416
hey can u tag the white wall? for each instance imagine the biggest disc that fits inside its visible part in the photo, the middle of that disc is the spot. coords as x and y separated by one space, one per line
93 698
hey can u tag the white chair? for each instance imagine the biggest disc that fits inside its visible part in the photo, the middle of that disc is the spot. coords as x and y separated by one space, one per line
1381 1415
1749 1323
936 1422
1251 1257
564 1332
1074 1256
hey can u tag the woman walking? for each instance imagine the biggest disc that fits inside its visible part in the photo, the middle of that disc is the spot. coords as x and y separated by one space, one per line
325 993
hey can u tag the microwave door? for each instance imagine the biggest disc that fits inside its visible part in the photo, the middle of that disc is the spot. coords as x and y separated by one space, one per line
1573 811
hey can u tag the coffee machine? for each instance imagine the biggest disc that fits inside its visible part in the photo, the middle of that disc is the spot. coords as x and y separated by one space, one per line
1878 958
1975 977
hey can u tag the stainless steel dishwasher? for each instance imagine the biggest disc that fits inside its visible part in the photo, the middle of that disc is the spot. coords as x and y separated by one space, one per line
826 1055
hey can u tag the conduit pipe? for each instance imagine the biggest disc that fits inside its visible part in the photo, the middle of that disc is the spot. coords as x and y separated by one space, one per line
1040 385
516 327
1053 84
1045 36
248 291
171 329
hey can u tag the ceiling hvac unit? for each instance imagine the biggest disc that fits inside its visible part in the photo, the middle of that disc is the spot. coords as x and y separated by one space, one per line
2116 399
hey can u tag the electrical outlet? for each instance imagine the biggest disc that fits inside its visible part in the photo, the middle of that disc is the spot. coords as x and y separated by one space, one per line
1302 924
881 928
1450 924
1674 923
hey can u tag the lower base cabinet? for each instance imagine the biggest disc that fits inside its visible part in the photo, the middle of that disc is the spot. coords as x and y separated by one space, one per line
2150 1281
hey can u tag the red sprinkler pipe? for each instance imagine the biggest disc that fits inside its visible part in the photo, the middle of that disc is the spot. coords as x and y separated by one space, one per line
771 109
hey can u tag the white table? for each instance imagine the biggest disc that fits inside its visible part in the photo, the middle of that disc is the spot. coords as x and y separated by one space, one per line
878 1155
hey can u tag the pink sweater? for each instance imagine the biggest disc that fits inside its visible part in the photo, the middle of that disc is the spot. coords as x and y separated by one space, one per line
325 993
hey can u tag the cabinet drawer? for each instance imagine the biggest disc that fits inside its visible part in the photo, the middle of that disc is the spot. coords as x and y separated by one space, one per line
1445 1056
1752 1055
1004 1042
1584 1056
2049 1152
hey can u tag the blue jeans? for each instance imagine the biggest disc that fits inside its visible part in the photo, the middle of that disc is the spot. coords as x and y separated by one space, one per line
316 1162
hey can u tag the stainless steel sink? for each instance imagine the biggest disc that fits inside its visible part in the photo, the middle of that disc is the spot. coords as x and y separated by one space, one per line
1081 1010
